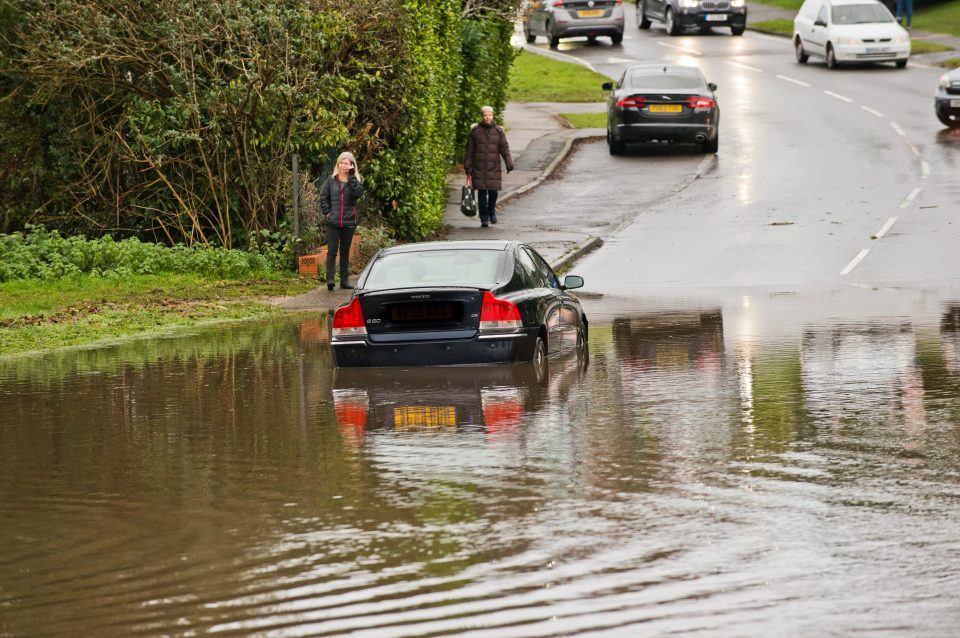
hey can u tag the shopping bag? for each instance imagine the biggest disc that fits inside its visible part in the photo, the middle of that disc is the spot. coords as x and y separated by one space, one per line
468 203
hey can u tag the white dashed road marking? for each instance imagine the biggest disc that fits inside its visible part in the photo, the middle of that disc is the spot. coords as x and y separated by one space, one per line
741 65
798 82
872 111
839 97
886 228
684 49
900 131
856 260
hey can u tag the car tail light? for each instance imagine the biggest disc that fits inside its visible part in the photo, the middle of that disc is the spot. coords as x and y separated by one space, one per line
632 102
697 102
558 3
498 315
348 321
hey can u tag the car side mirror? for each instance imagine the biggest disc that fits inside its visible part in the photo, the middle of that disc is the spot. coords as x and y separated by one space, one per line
607 86
819 23
572 281
711 86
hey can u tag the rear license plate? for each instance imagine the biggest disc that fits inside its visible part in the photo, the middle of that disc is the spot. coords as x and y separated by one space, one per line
590 13
421 312
716 17
665 108
412 417
955 104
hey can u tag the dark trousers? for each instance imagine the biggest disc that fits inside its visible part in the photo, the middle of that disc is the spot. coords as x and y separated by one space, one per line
338 240
487 204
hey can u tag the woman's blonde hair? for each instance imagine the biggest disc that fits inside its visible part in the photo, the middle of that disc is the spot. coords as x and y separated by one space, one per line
347 155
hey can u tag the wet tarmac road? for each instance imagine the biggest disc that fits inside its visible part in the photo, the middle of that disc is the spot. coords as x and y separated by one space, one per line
684 476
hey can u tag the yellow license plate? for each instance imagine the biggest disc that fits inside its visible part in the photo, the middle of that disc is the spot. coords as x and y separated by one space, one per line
665 108
422 417
590 13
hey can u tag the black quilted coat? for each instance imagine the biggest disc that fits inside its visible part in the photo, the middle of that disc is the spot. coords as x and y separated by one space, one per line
486 144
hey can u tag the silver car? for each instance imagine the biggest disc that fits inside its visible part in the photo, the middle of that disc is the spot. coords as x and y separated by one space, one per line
556 19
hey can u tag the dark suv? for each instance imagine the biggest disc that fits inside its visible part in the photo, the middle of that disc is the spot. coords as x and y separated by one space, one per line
678 15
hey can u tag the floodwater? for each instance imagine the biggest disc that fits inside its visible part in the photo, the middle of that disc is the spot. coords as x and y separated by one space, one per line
680 478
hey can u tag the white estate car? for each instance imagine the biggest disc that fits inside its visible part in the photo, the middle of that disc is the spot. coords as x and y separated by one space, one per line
849 31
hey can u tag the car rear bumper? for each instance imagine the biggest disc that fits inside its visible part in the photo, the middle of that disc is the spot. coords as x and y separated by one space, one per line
864 53
483 349
666 132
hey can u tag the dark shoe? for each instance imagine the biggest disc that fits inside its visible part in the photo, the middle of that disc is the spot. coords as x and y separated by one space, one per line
329 286
493 220
484 225
346 287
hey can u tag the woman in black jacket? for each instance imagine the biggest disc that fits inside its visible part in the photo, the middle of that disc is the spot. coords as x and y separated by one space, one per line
338 202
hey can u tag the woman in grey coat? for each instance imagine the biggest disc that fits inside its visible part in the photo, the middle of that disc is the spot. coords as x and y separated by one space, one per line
338 202
486 144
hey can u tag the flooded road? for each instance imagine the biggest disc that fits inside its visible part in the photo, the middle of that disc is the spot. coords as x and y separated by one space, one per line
694 473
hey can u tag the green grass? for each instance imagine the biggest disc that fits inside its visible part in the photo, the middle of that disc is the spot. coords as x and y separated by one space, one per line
537 78
925 46
944 18
941 18
783 4
45 315
586 120
952 63
779 25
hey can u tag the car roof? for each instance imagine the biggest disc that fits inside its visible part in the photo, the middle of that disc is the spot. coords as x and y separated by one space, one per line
467 244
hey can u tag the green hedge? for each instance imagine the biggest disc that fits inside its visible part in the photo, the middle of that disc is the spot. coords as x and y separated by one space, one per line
175 121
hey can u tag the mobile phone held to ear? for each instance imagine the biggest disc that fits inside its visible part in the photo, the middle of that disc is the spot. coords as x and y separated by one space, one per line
352 171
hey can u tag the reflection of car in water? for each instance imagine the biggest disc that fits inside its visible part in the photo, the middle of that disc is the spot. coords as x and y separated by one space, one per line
451 399
669 340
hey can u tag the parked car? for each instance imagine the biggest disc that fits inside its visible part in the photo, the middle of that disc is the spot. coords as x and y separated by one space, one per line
556 19
947 99
663 103
464 302
843 31
680 15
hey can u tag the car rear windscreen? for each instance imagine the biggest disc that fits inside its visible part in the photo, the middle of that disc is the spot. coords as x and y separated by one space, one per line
664 81
435 268
860 14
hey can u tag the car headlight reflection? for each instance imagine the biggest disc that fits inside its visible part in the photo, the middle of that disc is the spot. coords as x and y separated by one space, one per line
689 4
737 3
848 41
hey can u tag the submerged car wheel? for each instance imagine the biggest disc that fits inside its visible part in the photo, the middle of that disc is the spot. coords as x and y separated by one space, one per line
737 30
802 56
539 359
902 64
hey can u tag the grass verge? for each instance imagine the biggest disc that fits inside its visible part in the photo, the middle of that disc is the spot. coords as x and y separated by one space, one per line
918 47
779 26
44 315
952 63
537 78
586 120
941 18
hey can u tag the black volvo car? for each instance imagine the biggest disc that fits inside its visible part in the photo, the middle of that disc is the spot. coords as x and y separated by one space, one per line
464 302
662 103
679 15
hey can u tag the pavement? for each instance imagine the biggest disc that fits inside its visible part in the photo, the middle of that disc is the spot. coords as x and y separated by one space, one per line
540 140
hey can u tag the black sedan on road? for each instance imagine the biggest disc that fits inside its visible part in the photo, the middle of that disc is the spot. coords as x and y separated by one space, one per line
947 99
678 15
662 103
463 302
